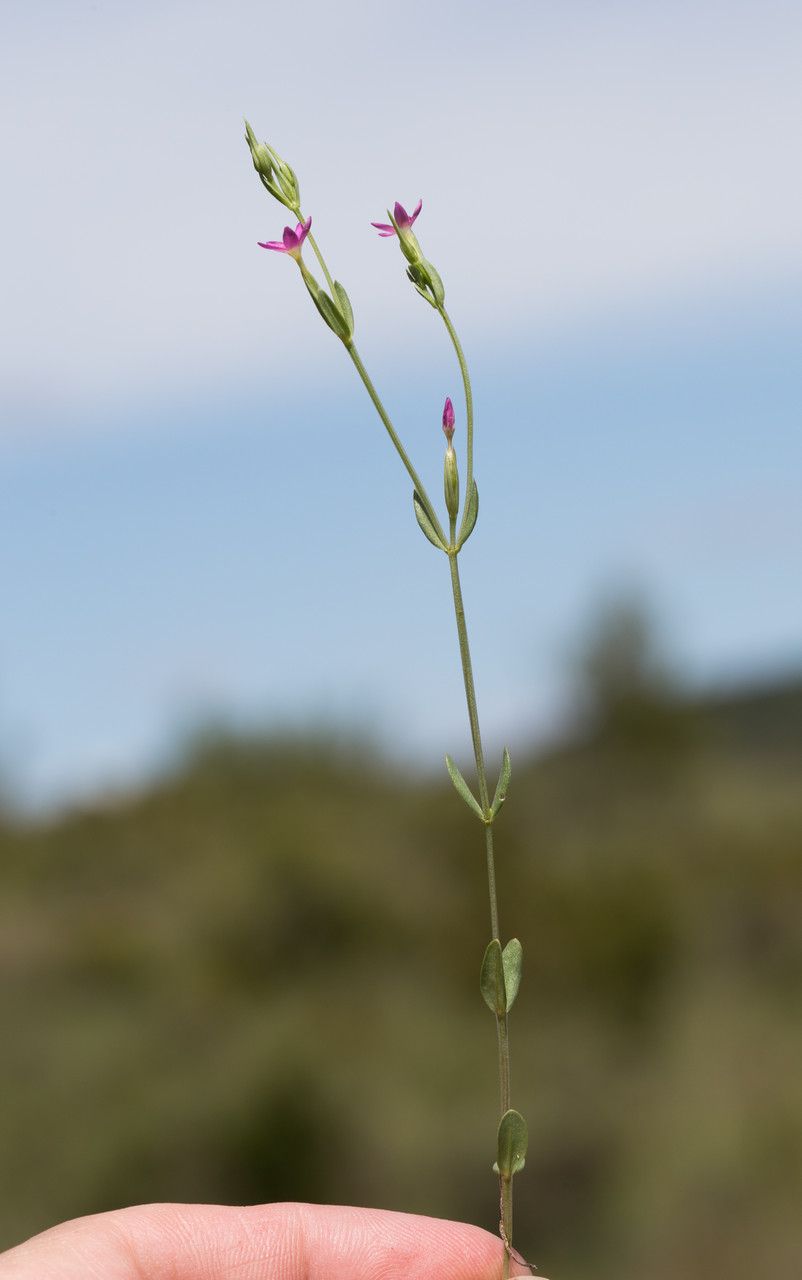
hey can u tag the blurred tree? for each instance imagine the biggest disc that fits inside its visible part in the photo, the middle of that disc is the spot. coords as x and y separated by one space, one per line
629 695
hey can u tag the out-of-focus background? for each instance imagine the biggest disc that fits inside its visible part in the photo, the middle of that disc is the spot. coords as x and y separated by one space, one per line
241 909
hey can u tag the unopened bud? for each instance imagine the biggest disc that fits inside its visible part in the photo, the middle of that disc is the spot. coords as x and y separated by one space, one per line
289 184
451 483
260 155
448 419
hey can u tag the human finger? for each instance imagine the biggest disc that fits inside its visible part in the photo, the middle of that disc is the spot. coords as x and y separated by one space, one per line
264 1242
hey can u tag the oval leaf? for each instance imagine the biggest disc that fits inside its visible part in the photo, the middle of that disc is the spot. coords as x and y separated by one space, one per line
425 523
513 1139
463 790
471 512
502 784
512 961
491 979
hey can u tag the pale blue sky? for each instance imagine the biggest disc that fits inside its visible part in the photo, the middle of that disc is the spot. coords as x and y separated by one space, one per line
199 511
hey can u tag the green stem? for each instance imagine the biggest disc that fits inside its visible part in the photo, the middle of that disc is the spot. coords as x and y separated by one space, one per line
466 383
473 717
317 253
399 448
502 1030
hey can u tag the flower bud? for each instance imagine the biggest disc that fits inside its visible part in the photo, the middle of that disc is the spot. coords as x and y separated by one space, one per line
448 419
288 183
451 483
260 155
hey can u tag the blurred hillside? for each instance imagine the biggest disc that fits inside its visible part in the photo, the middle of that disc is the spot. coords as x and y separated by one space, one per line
259 980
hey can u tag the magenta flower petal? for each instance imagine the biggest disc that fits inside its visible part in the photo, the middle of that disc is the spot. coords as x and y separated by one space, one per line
383 228
272 244
418 208
302 230
290 240
401 215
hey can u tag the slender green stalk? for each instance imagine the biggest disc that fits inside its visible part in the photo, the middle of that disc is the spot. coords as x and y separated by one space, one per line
484 799
466 383
399 448
317 252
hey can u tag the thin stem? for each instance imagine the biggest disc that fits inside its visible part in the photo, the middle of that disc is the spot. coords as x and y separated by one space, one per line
320 259
317 252
502 1030
506 1224
391 431
473 715
504 1062
466 383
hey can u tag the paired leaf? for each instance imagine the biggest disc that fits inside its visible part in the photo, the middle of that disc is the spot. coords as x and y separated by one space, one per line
512 961
500 976
463 789
471 512
492 979
425 523
503 783
513 1140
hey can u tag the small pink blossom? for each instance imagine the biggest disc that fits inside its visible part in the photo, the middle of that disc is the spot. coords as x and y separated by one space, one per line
402 218
291 241
448 419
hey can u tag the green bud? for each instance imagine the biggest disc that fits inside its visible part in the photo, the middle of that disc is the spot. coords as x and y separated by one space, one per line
288 183
260 154
451 483
276 175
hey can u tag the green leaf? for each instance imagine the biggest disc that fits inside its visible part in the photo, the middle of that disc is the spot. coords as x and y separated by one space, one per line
503 783
426 524
463 789
512 959
331 315
513 1139
471 512
491 979
346 309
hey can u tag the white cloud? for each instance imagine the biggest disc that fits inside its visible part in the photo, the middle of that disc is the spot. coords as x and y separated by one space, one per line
572 157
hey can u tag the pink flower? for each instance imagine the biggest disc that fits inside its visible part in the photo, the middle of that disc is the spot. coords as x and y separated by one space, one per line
402 218
448 419
291 241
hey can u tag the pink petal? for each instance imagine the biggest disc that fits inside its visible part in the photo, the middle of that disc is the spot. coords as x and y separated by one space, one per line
272 244
290 240
418 208
302 230
383 228
401 215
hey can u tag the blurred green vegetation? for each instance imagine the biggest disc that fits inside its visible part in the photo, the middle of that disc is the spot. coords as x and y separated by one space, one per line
259 979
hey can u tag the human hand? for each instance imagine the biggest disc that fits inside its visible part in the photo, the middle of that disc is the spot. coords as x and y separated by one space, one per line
265 1242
